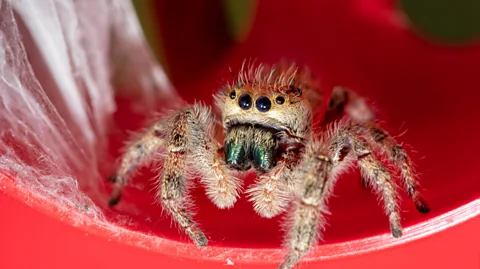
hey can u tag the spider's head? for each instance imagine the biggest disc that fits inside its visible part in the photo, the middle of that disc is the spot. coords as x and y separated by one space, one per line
274 99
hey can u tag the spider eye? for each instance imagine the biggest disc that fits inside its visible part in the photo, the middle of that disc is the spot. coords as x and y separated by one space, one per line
233 95
245 101
263 104
280 100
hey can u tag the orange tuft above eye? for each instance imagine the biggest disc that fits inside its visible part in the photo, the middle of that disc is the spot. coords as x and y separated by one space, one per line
295 91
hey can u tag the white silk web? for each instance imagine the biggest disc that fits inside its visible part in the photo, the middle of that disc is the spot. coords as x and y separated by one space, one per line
60 64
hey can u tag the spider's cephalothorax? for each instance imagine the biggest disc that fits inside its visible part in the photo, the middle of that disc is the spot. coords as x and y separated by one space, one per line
262 122
266 117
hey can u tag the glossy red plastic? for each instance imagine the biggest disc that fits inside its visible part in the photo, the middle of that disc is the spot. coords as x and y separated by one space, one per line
428 89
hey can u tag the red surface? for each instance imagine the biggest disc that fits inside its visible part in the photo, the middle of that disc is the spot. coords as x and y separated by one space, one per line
32 239
427 89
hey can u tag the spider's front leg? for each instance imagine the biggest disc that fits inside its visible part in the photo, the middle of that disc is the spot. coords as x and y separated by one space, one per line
305 219
191 143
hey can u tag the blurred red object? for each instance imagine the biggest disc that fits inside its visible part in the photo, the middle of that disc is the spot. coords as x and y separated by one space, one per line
429 89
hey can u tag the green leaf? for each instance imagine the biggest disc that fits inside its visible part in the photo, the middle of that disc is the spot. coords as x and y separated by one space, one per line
239 16
445 21
150 25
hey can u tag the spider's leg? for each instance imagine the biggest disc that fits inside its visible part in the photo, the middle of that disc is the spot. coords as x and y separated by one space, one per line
344 101
318 171
389 147
191 145
207 158
138 153
173 185
371 169
305 219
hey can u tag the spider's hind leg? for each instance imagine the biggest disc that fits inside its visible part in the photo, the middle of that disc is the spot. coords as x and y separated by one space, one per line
344 101
136 154
344 142
389 147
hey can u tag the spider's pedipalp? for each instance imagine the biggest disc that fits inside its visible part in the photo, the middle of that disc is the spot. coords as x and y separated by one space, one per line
271 194
222 187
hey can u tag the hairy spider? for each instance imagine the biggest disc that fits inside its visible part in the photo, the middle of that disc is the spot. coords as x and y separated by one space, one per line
267 119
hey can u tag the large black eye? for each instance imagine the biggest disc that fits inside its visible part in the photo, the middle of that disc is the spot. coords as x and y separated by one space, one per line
263 104
232 95
245 101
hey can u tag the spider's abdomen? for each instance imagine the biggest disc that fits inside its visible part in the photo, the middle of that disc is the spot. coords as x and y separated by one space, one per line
247 146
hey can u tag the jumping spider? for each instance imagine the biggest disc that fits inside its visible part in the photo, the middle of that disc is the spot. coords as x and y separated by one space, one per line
267 120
